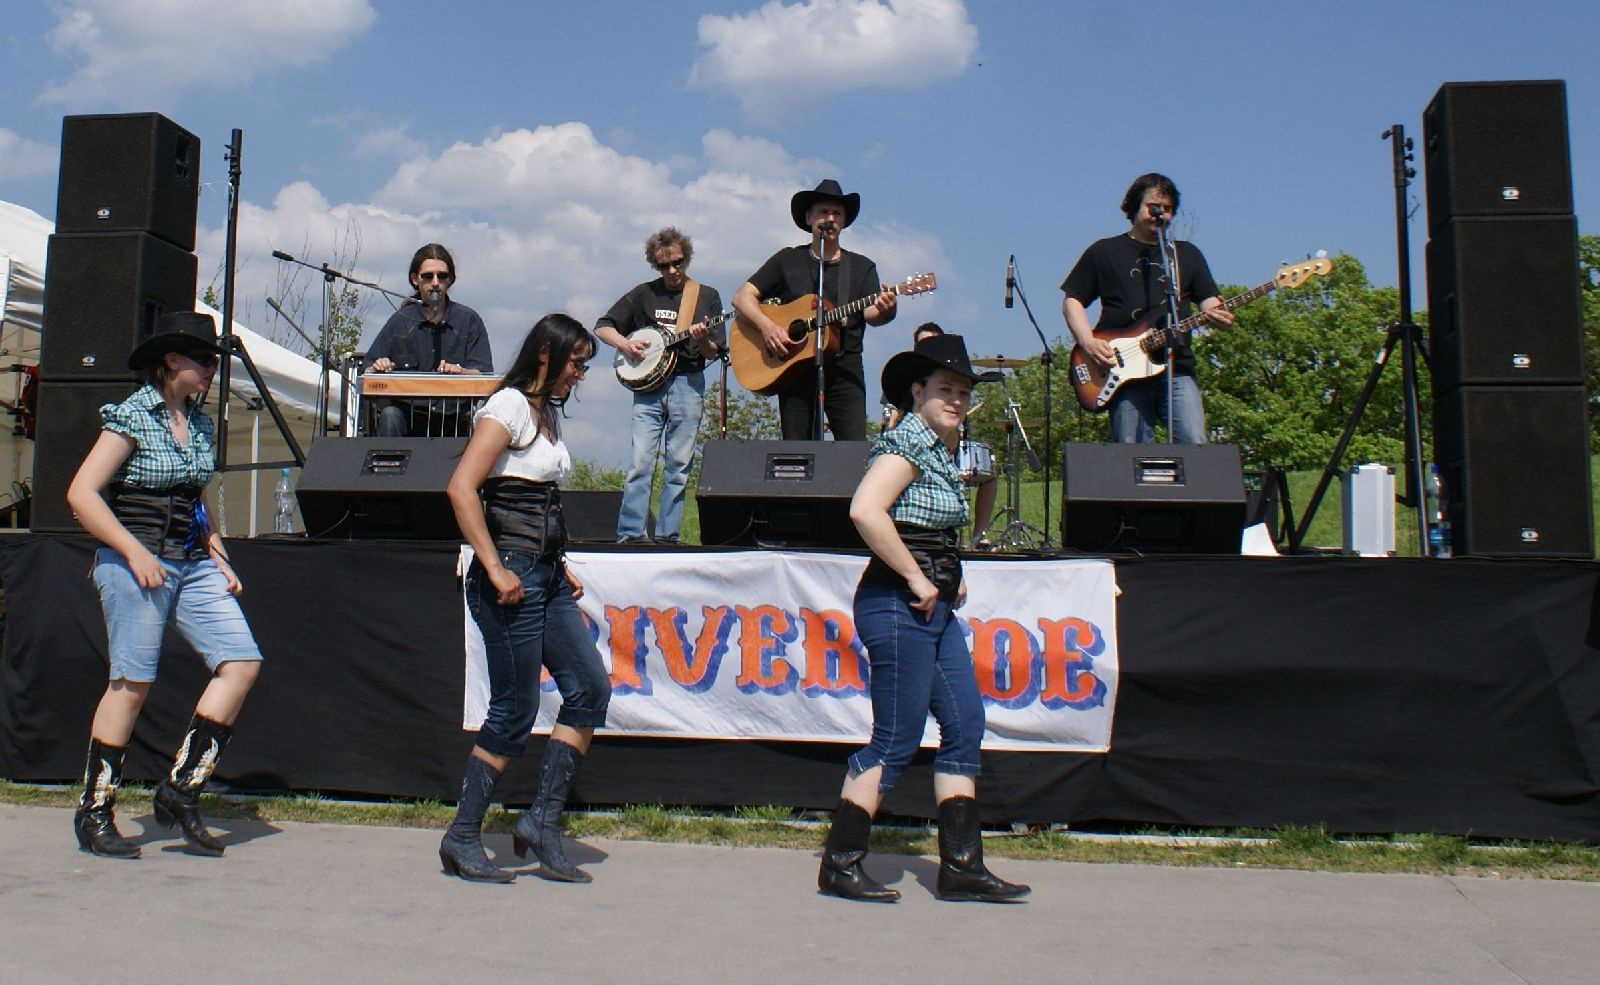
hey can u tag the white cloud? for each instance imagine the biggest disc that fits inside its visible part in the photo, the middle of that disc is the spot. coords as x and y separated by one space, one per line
552 219
137 54
783 57
24 158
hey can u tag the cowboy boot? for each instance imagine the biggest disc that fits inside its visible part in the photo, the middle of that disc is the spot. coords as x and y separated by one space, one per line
962 874
93 821
177 796
540 828
841 873
461 852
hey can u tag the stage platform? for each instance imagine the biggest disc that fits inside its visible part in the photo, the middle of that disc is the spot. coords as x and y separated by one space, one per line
1390 695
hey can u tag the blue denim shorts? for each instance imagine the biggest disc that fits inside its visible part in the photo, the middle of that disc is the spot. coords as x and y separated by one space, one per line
195 595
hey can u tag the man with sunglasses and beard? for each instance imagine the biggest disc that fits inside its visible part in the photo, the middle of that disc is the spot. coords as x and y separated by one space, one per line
666 417
429 334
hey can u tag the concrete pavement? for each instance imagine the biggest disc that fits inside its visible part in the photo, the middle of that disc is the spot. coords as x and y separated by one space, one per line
296 903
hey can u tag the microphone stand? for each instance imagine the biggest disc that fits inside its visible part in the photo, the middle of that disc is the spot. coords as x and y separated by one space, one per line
232 345
329 275
1169 273
1046 357
820 240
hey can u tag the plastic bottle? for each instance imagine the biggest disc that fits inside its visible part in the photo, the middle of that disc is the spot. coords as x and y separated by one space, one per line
1438 519
283 500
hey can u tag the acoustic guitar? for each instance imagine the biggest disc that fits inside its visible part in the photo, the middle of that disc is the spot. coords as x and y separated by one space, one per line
759 371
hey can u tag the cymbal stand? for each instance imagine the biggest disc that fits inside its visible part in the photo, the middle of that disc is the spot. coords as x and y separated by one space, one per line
1015 535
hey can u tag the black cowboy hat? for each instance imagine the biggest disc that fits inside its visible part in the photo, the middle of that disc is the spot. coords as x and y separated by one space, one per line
827 190
176 331
938 352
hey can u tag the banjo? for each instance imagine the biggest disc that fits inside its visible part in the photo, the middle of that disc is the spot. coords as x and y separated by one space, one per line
660 355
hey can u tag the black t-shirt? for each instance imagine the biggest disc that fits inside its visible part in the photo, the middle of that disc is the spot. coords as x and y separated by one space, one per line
791 273
651 305
1125 276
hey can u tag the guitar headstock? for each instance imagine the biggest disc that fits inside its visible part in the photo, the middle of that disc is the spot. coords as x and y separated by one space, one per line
917 284
1297 273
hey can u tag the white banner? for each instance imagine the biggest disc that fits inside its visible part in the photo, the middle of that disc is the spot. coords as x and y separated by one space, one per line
761 645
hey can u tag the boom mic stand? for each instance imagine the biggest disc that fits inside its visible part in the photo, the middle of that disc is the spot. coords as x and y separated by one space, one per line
1408 336
232 345
329 276
820 239
1014 281
1169 275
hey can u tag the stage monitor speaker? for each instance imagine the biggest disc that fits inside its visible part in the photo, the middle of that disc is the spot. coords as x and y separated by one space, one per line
131 172
393 489
69 425
1497 149
1153 499
102 295
1503 303
1515 466
779 493
379 488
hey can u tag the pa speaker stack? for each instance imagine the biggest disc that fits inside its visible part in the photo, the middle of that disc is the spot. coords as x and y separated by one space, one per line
1510 405
122 255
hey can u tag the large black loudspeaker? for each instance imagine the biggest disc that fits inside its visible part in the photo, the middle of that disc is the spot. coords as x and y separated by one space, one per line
134 172
1515 466
69 425
102 295
779 493
1152 498
393 489
1497 149
1503 302
379 488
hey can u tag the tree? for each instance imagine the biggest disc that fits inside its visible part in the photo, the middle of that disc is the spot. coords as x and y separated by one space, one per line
1589 292
749 415
300 295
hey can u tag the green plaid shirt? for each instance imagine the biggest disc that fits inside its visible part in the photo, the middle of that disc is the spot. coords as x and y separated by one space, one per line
936 498
158 462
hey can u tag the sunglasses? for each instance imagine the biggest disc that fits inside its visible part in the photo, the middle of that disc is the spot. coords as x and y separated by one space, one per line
205 360
666 265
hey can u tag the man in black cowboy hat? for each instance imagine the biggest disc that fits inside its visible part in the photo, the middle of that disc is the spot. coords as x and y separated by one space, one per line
790 274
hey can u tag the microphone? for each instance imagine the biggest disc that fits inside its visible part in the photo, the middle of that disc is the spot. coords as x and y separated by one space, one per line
1011 277
433 299
280 255
1158 214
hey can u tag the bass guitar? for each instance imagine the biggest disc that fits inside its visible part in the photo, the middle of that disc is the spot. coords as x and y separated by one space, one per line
660 355
1137 349
759 371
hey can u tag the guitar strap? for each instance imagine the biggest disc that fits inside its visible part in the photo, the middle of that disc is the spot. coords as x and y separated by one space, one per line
686 305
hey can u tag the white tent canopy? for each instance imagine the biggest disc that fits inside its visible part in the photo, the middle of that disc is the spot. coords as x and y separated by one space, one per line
291 378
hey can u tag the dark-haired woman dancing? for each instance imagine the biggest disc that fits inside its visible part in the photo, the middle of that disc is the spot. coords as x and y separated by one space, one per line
524 600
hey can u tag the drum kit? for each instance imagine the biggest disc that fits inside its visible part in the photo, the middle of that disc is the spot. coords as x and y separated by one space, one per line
1006 530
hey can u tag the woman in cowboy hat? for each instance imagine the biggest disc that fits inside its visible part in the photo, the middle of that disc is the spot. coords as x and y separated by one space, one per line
141 493
910 508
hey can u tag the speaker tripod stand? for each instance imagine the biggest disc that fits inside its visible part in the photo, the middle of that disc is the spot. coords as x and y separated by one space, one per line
1013 533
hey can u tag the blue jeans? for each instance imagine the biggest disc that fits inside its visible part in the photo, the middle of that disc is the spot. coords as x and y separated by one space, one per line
543 630
1139 405
194 595
917 665
666 419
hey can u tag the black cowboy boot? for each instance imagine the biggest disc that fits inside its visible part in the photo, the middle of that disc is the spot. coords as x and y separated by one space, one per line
93 821
177 797
540 828
962 874
841 873
461 852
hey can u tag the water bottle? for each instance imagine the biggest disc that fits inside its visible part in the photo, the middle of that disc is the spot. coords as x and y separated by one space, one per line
1438 520
283 498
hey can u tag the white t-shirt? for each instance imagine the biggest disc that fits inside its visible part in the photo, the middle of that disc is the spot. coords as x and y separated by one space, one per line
531 455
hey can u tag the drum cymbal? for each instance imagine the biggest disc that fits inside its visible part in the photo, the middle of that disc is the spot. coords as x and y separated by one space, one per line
997 362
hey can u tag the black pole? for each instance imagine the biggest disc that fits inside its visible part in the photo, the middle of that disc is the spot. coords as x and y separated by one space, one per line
230 255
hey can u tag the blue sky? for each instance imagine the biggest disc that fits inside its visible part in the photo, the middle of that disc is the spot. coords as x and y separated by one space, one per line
543 141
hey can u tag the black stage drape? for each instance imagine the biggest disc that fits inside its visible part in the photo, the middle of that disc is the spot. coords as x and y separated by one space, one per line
1391 695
